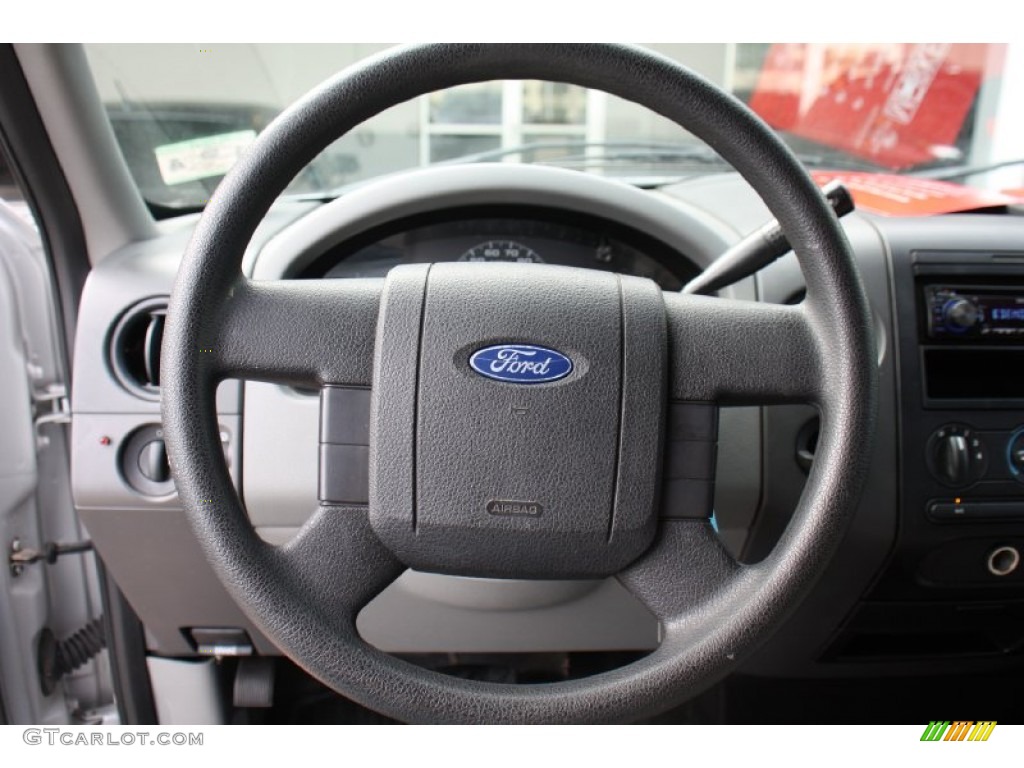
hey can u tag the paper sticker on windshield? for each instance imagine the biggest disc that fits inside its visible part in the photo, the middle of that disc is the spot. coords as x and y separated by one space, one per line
201 158
892 195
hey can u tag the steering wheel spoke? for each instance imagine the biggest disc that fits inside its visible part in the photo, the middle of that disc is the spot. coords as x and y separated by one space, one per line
740 352
299 332
686 566
338 561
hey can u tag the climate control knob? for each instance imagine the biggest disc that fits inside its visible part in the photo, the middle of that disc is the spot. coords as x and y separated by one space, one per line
956 456
952 460
1015 454
961 314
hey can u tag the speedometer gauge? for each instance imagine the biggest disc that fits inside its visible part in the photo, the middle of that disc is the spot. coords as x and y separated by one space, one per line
502 250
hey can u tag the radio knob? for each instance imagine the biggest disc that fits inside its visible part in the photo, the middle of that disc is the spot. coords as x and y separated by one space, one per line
961 314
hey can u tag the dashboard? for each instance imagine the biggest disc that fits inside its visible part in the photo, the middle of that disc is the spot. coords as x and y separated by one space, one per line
927 578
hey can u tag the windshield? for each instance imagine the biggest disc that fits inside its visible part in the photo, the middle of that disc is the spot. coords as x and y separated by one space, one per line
184 114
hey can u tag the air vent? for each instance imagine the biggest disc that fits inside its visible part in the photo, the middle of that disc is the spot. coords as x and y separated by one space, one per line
135 348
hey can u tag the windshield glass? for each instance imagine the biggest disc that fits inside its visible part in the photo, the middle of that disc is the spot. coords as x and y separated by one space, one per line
183 114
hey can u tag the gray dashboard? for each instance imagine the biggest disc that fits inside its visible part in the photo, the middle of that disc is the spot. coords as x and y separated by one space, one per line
269 432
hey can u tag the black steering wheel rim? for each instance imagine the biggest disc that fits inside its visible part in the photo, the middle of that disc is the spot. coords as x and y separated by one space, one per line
307 608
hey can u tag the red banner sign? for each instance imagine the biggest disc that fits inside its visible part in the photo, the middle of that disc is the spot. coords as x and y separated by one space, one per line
896 105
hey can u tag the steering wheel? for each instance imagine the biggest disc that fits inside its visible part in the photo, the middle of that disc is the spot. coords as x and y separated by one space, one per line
589 457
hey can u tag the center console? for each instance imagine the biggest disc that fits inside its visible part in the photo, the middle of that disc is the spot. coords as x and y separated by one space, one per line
954 586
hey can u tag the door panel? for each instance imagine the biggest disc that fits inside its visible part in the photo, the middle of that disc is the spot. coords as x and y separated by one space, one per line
35 505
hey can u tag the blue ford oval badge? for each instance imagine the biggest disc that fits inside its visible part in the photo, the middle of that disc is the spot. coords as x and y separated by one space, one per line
520 363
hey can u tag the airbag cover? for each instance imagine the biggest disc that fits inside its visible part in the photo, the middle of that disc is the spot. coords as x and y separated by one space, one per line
516 478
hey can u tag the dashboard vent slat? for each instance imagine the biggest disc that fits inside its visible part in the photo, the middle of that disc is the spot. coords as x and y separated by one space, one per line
151 348
134 351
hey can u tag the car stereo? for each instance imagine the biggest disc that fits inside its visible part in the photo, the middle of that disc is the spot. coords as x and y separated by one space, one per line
975 312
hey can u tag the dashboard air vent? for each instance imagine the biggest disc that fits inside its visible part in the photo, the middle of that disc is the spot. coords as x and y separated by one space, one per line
135 348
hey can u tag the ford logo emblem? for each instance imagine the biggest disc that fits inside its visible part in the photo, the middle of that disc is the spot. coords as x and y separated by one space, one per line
520 363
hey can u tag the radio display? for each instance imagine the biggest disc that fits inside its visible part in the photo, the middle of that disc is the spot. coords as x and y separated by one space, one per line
1006 314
